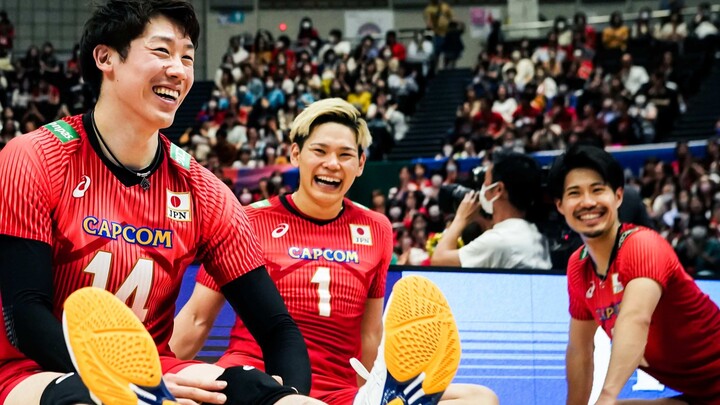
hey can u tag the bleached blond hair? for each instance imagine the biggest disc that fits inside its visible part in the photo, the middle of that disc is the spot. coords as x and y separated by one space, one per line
330 110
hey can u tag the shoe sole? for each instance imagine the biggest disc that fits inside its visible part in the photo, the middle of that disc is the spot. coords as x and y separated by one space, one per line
421 335
109 346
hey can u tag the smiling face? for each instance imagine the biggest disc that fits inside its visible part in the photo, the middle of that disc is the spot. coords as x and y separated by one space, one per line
154 78
328 162
589 204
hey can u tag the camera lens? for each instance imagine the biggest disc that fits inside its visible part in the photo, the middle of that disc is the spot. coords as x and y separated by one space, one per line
450 196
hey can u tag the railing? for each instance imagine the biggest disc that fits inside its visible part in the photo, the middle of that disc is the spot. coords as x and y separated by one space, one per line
512 29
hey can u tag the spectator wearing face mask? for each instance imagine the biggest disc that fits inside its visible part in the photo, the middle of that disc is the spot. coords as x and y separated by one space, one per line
509 191
308 36
245 196
615 36
337 44
642 29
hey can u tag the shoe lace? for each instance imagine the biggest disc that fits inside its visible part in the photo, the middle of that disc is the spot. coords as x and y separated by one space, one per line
359 368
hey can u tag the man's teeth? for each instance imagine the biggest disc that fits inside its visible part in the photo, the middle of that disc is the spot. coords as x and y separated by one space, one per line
589 216
328 179
174 94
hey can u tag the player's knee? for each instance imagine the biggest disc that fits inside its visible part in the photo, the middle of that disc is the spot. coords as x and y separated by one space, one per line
67 389
470 394
488 396
482 395
248 385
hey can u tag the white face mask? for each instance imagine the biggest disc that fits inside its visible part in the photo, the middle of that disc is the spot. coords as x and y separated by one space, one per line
245 198
487 205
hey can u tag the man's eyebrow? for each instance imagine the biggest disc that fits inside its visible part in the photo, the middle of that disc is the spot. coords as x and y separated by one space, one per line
168 40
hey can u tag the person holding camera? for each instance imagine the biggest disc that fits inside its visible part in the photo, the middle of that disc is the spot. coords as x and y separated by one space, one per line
511 186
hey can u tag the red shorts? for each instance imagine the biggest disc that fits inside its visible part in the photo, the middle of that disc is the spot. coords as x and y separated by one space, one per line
235 359
14 372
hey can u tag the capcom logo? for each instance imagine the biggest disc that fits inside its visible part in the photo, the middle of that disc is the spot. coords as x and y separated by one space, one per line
341 256
142 236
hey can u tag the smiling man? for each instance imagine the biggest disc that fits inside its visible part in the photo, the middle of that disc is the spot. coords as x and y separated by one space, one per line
628 280
329 258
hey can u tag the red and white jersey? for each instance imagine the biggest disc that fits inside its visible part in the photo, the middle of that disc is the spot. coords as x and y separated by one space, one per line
325 271
55 188
683 347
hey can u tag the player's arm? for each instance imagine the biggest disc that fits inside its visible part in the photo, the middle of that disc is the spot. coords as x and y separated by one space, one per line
630 334
26 287
257 301
194 321
446 252
579 361
371 330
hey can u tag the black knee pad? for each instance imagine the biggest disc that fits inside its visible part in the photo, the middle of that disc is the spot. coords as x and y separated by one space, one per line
250 386
67 389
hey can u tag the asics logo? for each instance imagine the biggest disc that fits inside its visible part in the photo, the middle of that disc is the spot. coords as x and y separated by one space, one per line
63 378
589 293
280 230
82 187
143 394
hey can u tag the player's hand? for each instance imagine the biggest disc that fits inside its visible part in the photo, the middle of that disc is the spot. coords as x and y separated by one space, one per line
193 391
469 207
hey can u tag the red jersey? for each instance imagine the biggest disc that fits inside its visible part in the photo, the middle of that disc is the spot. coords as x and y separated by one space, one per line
55 188
325 271
683 349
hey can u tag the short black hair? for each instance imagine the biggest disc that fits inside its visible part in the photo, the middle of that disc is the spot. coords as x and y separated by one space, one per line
118 22
585 157
521 176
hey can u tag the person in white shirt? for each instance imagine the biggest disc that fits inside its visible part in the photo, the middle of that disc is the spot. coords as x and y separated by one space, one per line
503 104
632 76
511 186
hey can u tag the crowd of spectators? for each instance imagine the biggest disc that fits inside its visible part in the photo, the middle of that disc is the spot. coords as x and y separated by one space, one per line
578 84
263 82
36 87
620 85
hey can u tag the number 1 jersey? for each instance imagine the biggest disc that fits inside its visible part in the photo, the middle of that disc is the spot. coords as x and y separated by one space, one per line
325 271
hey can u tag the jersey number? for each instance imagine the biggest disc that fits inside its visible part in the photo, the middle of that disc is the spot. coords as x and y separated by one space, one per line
136 285
322 279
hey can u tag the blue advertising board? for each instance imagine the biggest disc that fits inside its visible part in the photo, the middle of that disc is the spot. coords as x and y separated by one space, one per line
513 329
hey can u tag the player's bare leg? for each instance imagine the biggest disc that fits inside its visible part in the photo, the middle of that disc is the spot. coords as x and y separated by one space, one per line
298 400
112 351
420 350
31 389
468 394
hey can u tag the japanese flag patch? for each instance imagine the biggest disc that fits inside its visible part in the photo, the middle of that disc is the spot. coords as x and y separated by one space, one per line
360 235
179 206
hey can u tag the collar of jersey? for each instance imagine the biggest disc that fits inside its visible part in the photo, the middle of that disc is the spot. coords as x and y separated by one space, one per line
290 206
125 177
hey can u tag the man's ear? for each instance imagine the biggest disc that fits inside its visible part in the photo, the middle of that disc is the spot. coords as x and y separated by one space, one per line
619 193
295 154
103 60
500 188
558 205
363 159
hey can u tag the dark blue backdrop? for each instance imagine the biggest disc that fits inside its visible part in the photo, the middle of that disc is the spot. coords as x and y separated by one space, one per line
513 329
